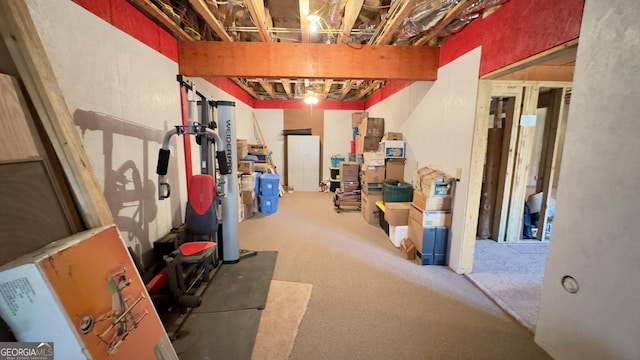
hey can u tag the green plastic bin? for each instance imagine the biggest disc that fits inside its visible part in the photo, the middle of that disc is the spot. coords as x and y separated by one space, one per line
396 191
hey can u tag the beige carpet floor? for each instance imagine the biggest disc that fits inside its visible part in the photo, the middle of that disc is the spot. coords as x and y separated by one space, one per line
370 303
286 304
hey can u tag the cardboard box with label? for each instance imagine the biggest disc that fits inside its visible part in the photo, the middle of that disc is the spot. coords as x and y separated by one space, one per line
392 148
369 209
349 171
367 143
430 218
258 149
373 174
373 158
84 294
394 169
437 203
435 182
397 213
242 146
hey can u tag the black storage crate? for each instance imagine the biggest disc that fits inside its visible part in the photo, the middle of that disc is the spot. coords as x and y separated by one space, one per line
434 246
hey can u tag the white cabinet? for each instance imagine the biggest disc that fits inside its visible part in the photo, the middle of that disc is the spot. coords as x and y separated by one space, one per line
303 162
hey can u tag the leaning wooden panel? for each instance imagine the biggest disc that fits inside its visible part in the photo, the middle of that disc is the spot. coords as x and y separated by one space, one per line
306 60
526 138
16 139
479 151
27 52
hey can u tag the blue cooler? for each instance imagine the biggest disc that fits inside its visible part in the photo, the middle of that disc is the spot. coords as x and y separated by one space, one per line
270 185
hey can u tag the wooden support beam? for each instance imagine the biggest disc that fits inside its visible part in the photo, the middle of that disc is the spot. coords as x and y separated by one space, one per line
28 54
555 52
293 60
246 88
524 148
478 154
351 13
303 6
453 14
326 88
169 24
391 24
201 7
257 11
345 89
503 193
287 88
542 73
268 87
557 126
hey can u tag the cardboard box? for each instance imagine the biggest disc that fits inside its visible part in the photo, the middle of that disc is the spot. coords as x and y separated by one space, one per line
437 203
261 167
430 218
367 143
415 233
408 248
373 127
245 167
373 158
435 182
397 213
258 149
248 197
357 117
392 148
373 174
397 233
74 289
242 146
349 171
368 208
392 136
395 169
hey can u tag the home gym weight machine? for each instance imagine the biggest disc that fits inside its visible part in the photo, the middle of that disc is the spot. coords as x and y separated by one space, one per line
198 255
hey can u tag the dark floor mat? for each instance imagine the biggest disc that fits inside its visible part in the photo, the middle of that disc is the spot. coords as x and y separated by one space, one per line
239 286
221 335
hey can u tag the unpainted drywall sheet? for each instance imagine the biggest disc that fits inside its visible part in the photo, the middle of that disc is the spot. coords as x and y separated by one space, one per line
123 97
437 120
596 227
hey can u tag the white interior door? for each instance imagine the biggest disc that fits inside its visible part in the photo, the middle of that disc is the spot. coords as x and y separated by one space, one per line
303 162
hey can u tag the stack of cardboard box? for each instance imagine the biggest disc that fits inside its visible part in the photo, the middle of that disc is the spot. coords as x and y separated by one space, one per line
430 215
349 172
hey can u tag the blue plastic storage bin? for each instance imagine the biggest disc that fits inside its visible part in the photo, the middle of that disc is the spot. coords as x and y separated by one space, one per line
269 184
257 189
268 204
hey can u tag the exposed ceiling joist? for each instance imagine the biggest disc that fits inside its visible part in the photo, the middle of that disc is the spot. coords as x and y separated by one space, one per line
257 11
320 61
268 87
367 89
245 87
151 10
326 88
351 12
453 14
304 20
287 88
201 7
393 21
345 89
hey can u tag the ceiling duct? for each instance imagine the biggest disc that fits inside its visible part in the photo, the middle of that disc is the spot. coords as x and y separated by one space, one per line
425 16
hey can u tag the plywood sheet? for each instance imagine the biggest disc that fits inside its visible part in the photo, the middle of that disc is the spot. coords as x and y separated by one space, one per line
16 137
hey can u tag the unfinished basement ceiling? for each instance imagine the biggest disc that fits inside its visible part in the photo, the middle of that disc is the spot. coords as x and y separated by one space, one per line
356 22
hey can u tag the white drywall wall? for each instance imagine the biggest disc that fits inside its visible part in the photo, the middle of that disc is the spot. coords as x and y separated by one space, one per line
337 137
437 120
271 124
596 227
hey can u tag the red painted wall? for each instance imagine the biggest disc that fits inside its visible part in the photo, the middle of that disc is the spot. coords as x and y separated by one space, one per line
519 29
